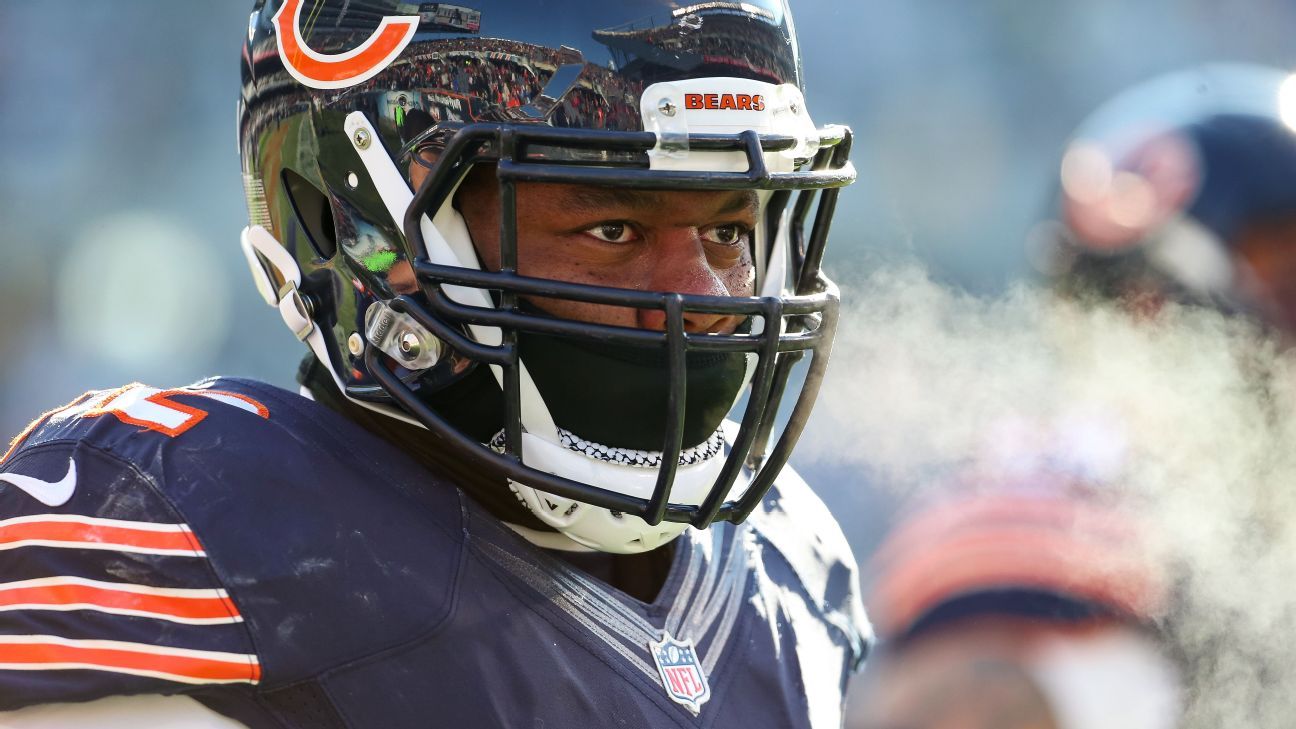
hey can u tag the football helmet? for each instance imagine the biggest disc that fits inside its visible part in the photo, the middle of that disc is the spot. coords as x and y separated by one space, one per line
1184 188
611 435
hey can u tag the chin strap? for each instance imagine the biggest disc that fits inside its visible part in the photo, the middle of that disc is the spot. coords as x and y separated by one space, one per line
264 253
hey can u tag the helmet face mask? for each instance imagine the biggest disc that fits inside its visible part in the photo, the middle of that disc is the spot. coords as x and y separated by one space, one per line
403 309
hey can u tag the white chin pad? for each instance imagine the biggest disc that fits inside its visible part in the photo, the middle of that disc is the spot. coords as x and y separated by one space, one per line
600 528
722 105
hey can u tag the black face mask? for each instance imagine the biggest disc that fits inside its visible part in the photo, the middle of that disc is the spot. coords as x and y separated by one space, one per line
616 394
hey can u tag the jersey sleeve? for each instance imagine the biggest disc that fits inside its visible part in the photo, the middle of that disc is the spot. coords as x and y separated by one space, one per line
104 589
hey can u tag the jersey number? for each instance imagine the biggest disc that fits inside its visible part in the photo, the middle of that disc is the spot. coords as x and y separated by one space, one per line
157 410
147 407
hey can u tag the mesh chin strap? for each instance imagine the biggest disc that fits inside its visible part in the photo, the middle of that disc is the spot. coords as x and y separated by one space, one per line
603 529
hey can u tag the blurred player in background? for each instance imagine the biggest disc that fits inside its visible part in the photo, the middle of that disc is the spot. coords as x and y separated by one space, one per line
1022 604
1020 598
1183 189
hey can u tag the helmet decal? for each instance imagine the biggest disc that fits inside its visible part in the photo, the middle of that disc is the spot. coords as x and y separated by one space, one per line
337 71
742 102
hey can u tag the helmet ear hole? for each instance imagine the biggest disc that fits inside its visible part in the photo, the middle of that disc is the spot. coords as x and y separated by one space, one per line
313 212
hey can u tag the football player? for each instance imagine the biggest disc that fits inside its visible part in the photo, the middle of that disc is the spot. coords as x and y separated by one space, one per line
540 253
1017 606
1184 189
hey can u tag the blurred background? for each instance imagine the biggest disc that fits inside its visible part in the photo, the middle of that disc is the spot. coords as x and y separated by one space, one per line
121 204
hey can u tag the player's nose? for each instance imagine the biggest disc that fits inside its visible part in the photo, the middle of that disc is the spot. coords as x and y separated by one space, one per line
682 267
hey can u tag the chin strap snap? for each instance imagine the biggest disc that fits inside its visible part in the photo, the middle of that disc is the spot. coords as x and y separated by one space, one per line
263 252
296 311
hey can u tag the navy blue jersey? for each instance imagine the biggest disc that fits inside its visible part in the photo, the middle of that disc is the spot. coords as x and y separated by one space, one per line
266 556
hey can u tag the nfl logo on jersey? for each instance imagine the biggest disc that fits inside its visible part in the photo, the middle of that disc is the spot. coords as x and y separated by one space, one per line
681 673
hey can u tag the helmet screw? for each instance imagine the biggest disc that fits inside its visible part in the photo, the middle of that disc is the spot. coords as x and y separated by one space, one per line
361 138
355 344
409 345
794 108
666 107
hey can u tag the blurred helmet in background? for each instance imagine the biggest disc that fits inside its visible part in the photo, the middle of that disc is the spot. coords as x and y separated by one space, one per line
1183 189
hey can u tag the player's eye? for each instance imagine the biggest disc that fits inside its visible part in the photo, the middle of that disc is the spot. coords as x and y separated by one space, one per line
727 235
612 232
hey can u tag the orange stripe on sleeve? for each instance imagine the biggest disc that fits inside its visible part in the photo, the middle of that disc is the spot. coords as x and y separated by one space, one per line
202 605
44 653
96 534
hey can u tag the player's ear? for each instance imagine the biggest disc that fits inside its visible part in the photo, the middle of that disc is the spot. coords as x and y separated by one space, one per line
411 123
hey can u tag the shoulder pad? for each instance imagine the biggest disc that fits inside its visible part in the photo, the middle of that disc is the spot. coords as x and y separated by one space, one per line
104 588
296 511
138 419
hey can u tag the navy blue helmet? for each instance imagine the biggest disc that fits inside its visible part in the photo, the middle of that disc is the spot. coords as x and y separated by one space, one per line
359 121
